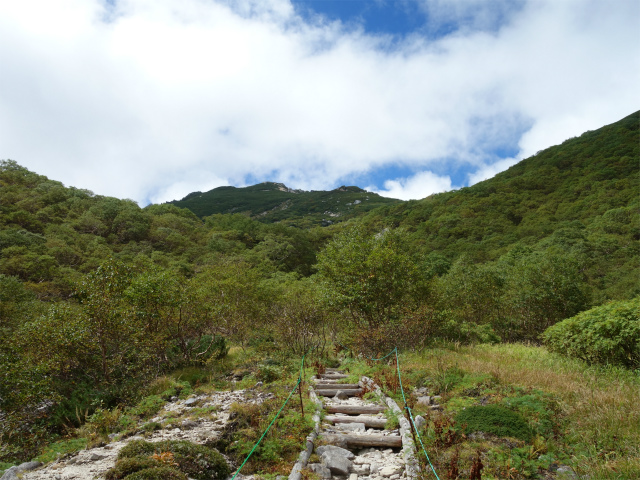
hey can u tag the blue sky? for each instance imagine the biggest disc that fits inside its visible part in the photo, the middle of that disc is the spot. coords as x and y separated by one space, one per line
154 99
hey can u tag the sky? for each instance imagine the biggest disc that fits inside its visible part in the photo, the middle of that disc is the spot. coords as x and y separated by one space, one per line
153 99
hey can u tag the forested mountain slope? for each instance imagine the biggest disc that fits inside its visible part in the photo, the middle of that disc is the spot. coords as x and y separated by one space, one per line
274 202
581 197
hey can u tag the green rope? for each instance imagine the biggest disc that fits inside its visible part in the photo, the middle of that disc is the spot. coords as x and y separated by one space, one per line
411 416
370 358
395 350
274 419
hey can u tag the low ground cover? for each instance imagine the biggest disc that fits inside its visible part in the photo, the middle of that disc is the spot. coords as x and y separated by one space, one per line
579 417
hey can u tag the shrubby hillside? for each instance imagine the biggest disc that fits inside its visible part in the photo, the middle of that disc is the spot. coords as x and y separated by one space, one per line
98 296
274 202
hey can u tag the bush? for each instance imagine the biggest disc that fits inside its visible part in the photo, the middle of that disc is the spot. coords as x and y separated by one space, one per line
607 334
148 406
269 373
127 466
197 461
495 420
152 426
157 473
137 448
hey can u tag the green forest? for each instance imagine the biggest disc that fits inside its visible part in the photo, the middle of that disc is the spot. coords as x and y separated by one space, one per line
99 297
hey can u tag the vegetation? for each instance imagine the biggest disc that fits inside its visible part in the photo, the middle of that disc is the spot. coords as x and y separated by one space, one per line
586 418
494 419
107 310
196 461
274 202
608 334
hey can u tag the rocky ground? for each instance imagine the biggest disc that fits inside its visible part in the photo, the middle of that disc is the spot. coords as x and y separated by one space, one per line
197 419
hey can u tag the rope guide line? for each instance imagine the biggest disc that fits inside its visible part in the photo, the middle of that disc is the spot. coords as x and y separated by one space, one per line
395 350
274 418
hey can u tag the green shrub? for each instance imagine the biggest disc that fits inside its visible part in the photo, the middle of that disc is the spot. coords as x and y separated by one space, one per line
269 373
152 426
157 473
197 461
137 448
127 466
495 420
104 422
606 334
148 406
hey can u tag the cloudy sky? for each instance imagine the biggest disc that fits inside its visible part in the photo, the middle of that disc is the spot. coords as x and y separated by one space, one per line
154 99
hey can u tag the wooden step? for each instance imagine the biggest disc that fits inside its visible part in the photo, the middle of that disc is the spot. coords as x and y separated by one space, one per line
355 409
369 422
349 392
348 386
357 441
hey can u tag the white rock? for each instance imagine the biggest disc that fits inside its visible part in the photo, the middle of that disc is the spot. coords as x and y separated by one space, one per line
390 470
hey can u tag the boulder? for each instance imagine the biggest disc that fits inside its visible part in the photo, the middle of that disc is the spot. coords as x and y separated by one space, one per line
337 450
320 470
338 464
424 400
12 473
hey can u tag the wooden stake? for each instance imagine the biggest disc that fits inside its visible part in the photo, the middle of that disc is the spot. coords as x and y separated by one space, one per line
301 405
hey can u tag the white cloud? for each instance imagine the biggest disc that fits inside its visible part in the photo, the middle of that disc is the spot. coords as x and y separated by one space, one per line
420 185
488 171
156 98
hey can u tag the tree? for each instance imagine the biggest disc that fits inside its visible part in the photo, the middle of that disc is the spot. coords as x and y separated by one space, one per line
370 276
108 318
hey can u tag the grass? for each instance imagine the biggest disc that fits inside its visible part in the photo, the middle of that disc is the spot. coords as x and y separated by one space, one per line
60 448
598 408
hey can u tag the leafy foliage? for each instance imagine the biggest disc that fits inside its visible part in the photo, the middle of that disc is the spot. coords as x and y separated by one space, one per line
496 420
607 334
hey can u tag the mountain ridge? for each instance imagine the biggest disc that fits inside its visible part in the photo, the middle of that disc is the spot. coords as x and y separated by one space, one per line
272 202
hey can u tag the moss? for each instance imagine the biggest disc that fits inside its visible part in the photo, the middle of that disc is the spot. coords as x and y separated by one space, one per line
127 466
157 473
495 420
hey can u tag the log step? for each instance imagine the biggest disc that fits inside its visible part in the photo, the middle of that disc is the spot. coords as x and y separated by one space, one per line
355 409
369 422
353 392
333 376
348 386
355 441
